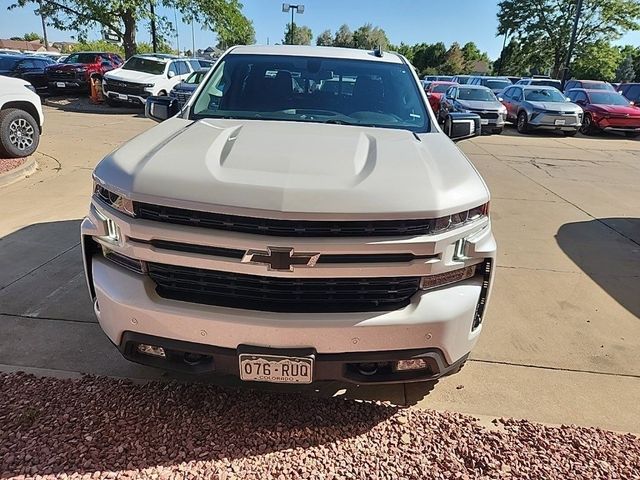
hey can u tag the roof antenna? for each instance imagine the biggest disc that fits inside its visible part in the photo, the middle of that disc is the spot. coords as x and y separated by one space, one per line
378 51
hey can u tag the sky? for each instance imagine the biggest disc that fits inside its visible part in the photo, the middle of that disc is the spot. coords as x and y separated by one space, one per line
408 21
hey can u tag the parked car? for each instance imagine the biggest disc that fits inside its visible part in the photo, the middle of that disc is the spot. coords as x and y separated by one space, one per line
547 82
588 85
183 91
245 234
77 70
438 78
533 107
475 99
606 111
204 64
461 79
27 67
145 75
631 92
496 84
435 92
21 118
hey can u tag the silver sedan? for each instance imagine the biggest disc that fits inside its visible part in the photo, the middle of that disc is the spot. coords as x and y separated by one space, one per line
541 107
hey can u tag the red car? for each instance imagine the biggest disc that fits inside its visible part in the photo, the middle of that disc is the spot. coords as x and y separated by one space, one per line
75 73
435 92
606 111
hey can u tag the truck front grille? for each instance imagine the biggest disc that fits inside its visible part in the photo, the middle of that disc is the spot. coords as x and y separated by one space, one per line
283 228
129 88
273 294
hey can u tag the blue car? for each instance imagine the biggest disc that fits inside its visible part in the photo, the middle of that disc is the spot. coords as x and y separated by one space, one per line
183 91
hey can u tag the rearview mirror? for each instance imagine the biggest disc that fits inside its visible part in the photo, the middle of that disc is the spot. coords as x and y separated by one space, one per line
459 125
161 108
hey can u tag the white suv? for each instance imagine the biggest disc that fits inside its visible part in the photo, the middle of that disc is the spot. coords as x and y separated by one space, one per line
144 75
21 118
303 218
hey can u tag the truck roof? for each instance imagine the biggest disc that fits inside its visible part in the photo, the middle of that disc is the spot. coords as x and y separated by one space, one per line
311 51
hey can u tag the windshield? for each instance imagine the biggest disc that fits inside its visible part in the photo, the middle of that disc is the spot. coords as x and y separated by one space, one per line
547 83
81 58
476 94
195 77
598 86
313 89
146 65
441 88
607 98
7 63
497 84
543 95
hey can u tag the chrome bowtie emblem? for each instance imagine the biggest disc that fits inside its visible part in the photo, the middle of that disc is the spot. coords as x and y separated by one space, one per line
281 258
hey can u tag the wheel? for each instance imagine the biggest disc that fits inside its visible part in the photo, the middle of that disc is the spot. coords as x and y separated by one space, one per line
523 123
571 133
19 133
588 126
497 131
632 134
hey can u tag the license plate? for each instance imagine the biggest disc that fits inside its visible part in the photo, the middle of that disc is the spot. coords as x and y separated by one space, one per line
561 122
484 121
276 369
61 84
122 97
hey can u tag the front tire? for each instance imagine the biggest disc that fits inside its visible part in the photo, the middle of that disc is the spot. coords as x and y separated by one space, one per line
522 123
19 133
588 126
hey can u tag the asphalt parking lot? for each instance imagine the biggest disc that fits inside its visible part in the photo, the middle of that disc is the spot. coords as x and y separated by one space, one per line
562 335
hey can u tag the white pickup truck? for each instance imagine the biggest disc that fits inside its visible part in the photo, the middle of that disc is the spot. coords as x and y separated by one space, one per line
302 218
21 118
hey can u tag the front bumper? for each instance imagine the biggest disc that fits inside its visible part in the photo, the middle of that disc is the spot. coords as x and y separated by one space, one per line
555 121
441 319
619 124
327 367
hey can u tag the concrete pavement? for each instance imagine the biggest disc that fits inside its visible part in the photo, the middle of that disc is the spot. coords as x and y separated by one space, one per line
562 335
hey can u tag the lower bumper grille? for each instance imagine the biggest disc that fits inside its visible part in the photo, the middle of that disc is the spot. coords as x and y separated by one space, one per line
128 88
272 294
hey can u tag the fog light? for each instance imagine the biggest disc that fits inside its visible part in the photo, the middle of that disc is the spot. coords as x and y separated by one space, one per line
434 281
414 364
151 350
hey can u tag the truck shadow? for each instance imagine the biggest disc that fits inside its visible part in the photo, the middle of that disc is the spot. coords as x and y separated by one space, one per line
606 249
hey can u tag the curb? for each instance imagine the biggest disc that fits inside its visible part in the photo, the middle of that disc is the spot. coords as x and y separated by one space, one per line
24 170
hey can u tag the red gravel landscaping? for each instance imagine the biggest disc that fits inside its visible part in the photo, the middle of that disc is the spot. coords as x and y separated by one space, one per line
7 164
106 428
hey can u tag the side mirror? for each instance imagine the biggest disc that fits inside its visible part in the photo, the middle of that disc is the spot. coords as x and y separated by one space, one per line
500 99
459 125
161 108
428 94
567 99
171 74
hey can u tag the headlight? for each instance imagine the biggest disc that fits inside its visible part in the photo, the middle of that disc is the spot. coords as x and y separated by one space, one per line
31 87
81 69
456 220
113 200
149 85
502 110
539 110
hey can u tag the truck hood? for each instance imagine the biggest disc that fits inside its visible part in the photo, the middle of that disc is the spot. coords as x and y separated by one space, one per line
275 169
131 76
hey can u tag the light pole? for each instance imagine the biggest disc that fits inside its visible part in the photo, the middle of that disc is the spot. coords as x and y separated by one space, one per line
293 8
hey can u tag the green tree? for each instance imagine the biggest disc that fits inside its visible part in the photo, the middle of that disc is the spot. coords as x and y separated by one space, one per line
454 61
406 50
325 39
625 71
368 37
512 61
547 24
123 17
427 58
302 35
97 46
241 31
344 37
472 55
597 61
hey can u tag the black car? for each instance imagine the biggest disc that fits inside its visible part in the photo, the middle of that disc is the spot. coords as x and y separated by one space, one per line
631 91
183 91
27 67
